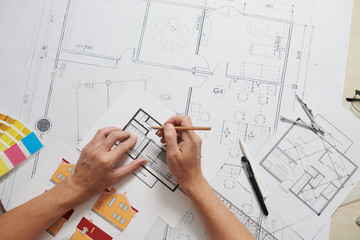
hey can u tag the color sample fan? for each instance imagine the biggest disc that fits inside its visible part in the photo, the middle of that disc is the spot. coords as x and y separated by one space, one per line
17 143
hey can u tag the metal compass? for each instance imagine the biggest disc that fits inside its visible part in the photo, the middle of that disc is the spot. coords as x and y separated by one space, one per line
313 125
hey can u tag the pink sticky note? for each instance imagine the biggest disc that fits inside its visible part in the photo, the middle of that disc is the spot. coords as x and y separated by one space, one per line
15 155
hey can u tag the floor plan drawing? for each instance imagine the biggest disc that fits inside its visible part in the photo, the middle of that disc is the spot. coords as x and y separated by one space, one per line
181 231
237 75
156 170
264 61
234 65
241 203
312 167
230 188
85 91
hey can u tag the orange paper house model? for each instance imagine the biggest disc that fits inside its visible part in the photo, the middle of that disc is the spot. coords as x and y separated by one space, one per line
56 226
64 170
115 209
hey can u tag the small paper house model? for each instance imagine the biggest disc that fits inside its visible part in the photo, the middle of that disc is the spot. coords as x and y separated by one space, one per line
86 230
56 226
64 170
115 209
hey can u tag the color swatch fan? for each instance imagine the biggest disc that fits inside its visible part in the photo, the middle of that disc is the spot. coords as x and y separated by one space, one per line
17 143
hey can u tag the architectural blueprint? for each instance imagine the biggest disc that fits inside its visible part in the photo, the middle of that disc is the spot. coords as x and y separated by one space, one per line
157 170
239 200
297 161
232 65
311 171
153 183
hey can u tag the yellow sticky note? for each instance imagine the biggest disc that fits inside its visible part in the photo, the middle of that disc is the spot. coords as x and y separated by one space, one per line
12 143
3 168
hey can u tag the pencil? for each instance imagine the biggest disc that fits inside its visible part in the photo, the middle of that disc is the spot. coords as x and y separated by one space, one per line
185 128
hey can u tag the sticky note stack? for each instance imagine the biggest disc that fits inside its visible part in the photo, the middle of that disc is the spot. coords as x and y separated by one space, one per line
17 143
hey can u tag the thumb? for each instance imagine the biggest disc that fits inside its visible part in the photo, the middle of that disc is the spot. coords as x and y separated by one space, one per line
170 136
129 168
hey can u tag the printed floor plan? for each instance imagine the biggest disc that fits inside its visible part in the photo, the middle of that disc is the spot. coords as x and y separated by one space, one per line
234 65
314 168
156 169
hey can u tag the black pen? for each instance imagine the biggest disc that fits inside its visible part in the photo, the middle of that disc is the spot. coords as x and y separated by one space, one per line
254 184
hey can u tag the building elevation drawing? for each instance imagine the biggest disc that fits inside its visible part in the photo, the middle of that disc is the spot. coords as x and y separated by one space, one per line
234 65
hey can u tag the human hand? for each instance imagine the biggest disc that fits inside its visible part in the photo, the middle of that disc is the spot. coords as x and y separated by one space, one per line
96 168
183 152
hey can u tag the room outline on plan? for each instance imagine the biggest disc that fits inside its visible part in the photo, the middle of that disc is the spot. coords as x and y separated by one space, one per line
313 168
156 169
257 71
259 62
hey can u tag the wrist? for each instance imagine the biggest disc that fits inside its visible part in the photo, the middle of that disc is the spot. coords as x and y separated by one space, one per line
76 194
195 187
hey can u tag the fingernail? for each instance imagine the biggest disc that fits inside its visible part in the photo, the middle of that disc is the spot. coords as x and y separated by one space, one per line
168 126
133 136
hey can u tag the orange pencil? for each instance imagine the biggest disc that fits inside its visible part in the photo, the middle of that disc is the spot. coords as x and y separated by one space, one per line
185 128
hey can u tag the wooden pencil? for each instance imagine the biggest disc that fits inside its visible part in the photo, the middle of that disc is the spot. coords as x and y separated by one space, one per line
185 128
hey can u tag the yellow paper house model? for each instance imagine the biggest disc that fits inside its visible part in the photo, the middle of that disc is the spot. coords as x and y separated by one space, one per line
115 209
64 170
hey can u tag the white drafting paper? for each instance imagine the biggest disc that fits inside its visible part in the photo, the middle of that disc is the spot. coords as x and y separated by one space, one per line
233 65
138 227
137 111
307 175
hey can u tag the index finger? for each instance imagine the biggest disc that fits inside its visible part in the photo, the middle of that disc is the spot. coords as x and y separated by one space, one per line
102 133
123 147
182 121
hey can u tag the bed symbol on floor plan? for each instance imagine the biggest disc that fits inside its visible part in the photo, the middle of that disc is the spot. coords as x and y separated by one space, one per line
115 209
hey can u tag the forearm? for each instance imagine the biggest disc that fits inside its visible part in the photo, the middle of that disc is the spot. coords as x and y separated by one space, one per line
30 219
218 219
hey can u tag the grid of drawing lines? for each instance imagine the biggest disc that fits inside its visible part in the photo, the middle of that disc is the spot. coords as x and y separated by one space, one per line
157 161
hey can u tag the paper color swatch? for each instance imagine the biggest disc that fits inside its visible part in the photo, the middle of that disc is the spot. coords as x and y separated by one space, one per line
17 143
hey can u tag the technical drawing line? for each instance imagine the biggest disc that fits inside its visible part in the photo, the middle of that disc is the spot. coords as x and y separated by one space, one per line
62 34
254 227
142 32
283 78
200 32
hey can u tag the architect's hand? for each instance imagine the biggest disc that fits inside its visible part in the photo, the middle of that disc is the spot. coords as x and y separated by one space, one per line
183 152
183 155
96 168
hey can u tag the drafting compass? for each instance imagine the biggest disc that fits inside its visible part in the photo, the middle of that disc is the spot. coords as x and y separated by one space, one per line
312 126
